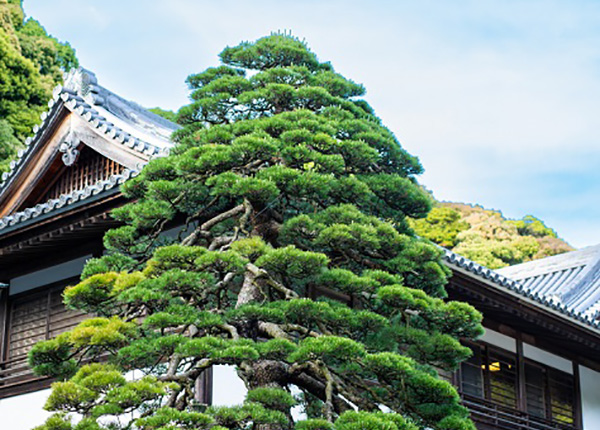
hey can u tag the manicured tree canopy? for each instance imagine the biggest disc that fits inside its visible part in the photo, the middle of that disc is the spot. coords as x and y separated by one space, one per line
291 193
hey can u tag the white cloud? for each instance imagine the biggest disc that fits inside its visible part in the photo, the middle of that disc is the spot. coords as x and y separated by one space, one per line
496 97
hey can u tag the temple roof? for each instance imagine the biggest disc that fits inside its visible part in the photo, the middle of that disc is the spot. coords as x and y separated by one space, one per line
572 279
580 303
117 120
117 115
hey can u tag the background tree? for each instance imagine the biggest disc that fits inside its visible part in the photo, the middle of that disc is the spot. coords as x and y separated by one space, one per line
166 114
291 192
488 238
31 65
442 226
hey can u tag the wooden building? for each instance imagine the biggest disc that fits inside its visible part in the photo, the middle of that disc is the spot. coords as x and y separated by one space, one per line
54 210
537 367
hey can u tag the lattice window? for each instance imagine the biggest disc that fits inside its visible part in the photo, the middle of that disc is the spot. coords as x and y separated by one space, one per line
489 383
90 168
550 393
32 317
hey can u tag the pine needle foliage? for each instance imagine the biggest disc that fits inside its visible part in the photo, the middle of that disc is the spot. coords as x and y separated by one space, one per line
295 264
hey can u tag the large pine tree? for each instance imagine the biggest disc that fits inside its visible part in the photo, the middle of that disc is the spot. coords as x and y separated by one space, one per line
295 265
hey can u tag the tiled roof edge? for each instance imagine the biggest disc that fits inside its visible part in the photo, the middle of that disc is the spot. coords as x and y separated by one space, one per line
516 287
76 104
79 106
66 199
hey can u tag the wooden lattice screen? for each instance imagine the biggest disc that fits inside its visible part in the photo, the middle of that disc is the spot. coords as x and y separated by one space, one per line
37 317
32 317
90 168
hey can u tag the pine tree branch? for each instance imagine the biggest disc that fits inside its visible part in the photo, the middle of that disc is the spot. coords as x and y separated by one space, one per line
203 229
317 388
328 392
273 330
222 217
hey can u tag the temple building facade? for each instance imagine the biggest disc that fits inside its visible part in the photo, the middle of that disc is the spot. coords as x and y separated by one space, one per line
537 366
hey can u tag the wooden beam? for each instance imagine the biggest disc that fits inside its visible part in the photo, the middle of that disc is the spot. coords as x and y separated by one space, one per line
122 154
3 319
577 410
37 164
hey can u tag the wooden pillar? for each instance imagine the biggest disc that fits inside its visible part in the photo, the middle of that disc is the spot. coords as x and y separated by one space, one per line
204 387
457 379
522 392
3 320
487 391
577 400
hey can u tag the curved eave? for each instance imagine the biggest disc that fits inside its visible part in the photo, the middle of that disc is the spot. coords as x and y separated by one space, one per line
70 100
517 290
64 202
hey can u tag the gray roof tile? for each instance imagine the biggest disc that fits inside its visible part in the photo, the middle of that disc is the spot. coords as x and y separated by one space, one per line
66 199
119 120
526 288
572 278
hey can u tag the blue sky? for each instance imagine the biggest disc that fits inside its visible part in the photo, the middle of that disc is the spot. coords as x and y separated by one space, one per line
499 99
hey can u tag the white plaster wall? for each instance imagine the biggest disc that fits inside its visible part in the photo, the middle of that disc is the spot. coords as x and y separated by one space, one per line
228 388
500 340
547 358
23 412
590 398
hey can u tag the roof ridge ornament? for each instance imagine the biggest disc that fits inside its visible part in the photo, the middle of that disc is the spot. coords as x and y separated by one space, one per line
84 83
69 149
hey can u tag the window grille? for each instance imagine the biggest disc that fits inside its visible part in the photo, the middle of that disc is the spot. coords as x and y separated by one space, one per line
32 317
89 168
491 375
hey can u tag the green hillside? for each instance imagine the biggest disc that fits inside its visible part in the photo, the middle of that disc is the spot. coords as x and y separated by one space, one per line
31 65
488 238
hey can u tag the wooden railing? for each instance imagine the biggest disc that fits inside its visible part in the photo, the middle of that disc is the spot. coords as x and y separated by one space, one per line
15 375
488 415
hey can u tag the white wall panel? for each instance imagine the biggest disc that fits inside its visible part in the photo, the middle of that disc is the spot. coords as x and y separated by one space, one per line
23 412
500 340
228 388
590 398
547 358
